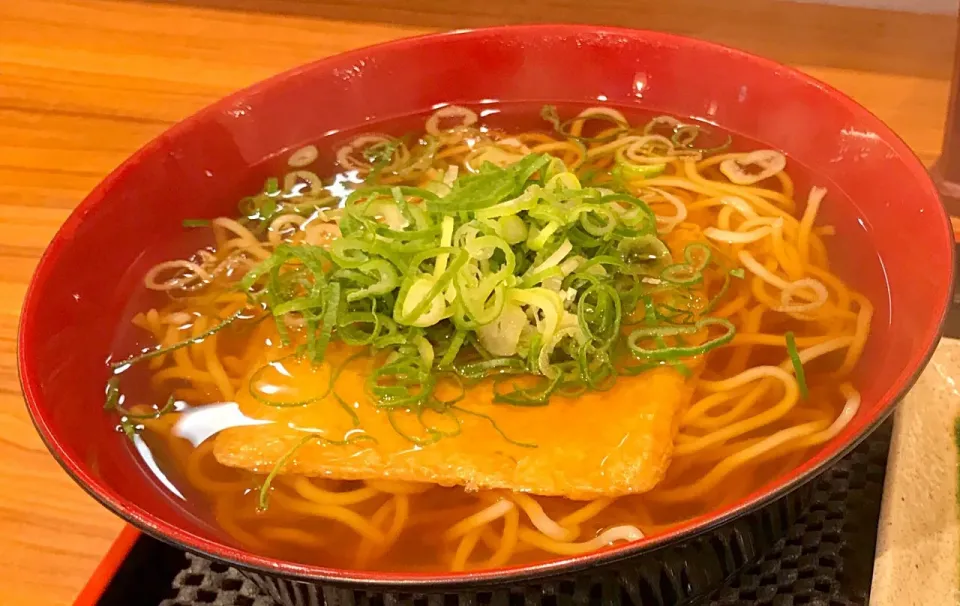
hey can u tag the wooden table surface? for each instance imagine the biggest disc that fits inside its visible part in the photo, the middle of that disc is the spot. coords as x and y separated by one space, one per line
83 83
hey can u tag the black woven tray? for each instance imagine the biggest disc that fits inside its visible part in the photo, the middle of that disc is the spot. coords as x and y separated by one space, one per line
824 559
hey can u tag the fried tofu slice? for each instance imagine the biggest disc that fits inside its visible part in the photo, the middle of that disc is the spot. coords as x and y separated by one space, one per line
608 443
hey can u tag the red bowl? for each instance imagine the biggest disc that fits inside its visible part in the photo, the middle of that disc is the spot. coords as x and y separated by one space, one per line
197 169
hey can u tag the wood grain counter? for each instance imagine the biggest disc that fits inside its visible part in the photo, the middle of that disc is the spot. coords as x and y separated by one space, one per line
84 83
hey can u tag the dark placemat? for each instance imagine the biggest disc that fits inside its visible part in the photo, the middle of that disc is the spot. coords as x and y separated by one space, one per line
825 559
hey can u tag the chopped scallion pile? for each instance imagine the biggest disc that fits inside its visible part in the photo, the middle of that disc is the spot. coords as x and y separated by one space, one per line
518 273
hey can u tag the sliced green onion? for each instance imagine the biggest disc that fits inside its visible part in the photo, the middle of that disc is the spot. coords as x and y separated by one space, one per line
532 396
495 366
682 274
712 303
797 364
185 343
113 403
318 347
672 353
453 348
387 280
630 171
127 418
599 314
264 493
643 254
496 427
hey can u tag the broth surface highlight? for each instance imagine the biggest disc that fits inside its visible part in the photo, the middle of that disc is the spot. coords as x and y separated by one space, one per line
381 523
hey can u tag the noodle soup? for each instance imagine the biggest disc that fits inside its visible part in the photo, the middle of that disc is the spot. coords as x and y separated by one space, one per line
498 339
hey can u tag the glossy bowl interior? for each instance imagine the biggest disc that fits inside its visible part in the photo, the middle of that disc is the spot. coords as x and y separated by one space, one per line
197 169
